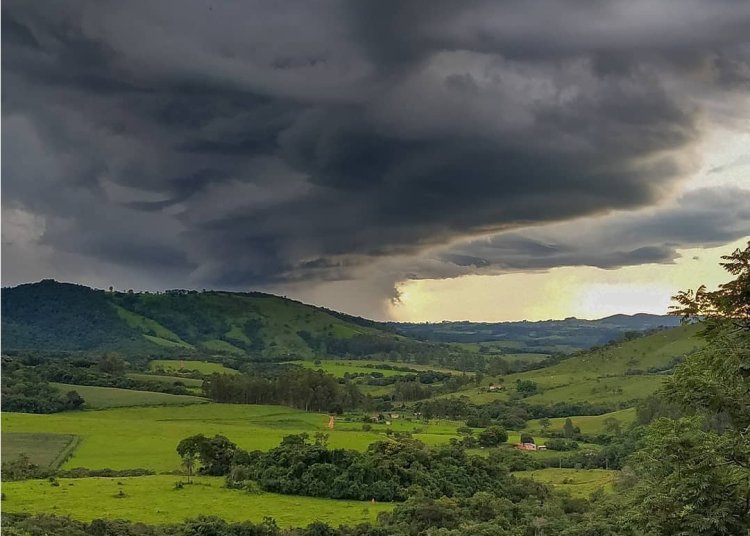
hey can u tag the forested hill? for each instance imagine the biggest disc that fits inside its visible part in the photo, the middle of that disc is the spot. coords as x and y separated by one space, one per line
53 316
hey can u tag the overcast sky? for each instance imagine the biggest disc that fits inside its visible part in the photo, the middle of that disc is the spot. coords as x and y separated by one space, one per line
413 160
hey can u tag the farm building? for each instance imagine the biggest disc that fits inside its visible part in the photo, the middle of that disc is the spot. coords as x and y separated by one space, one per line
530 446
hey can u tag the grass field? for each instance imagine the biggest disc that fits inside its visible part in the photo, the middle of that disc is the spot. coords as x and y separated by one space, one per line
204 367
43 449
589 424
579 482
111 397
126 438
154 499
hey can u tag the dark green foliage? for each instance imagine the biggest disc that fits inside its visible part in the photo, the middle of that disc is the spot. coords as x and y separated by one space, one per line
526 387
492 436
25 391
691 475
387 471
60 316
569 430
82 372
561 444
310 390
215 454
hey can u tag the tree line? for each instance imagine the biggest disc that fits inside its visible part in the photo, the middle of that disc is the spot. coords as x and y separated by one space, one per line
309 390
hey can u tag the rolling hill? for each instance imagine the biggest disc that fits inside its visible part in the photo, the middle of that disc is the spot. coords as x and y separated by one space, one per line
53 316
618 373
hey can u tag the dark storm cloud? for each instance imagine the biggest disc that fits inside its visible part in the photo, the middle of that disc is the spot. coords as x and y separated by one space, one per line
700 218
240 143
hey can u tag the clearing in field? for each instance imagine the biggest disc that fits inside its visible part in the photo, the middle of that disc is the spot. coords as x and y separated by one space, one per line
43 449
579 482
112 397
187 365
127 438
154 499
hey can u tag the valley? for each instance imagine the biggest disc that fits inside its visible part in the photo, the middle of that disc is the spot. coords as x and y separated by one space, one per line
312 437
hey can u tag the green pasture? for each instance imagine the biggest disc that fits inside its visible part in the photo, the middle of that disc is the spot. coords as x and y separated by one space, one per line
602 390
612 374
154 499
111 397
656 350
203 367
578 482
133 437
589 424
43 449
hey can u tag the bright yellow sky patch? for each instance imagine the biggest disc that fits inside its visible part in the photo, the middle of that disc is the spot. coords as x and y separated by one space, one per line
584 292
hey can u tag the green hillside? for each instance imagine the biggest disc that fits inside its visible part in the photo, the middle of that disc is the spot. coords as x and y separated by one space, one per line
613 374
52 316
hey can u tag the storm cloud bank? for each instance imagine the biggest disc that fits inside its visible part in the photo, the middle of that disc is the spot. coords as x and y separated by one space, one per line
238 144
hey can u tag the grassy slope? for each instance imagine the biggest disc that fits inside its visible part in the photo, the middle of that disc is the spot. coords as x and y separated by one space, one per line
598 376
111 397
57 316
578 482
216 322
589 424
125 438
151 330
43 449
153 499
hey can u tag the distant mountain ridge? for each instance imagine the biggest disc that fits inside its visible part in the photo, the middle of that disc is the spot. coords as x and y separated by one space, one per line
571 333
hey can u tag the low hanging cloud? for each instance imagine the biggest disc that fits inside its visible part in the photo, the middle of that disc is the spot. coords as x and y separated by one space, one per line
241 144
699 218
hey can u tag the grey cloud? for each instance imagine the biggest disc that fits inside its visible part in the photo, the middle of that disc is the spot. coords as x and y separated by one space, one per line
700 218
243 144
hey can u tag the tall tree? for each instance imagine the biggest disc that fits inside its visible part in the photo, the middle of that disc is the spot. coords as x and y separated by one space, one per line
693 476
